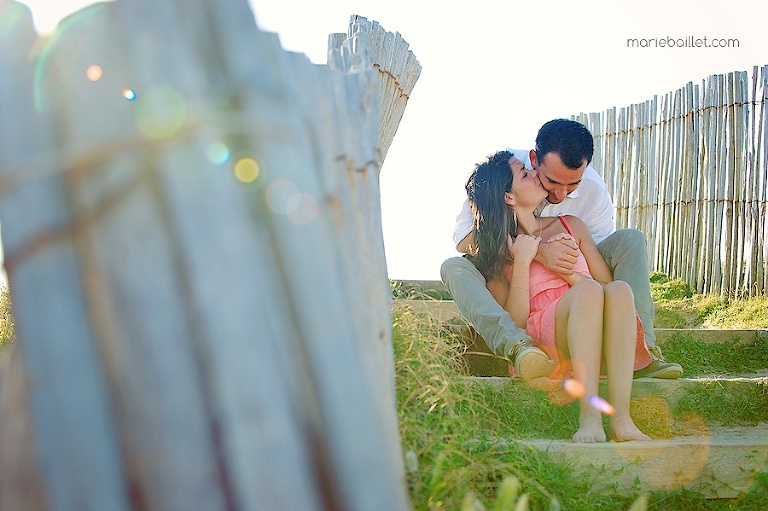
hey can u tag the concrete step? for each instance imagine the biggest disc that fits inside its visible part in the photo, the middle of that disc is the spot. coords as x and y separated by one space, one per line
721 463
713 460
672 391
481 362
446 311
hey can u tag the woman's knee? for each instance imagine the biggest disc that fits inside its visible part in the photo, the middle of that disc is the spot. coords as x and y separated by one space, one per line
618 291
590 290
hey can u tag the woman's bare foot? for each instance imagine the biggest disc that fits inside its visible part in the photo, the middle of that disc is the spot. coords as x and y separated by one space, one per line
623 429
590 430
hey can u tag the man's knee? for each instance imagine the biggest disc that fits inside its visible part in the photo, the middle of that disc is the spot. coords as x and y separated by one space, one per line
630 239
454 266
624 245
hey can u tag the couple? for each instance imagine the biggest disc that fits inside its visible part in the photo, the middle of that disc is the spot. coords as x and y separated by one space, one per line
595 320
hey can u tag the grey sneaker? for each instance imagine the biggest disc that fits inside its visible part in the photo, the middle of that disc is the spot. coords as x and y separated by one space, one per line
660 369
656 353
529 361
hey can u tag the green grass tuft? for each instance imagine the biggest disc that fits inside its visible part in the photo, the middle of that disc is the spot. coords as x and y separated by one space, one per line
6 318
717 358
671 290
412 290
451 429
679 306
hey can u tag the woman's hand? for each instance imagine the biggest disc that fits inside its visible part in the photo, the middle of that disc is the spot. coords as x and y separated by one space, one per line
523 248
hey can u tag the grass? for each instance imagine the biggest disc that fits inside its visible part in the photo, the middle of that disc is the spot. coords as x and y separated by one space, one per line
449 427
717 358
445 428
679 306
6 318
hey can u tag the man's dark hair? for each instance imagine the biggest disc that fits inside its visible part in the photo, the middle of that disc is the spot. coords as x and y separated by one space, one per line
570 140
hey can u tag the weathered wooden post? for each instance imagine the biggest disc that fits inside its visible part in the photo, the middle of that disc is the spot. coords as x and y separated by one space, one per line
192 230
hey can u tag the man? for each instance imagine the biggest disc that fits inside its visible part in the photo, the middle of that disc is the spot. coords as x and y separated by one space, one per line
562 155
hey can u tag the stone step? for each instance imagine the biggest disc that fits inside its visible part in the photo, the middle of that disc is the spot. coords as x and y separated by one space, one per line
722 463
445 311
716 462
672 391
481 362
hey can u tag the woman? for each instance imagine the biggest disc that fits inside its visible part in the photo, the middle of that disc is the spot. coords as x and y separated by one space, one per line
581 320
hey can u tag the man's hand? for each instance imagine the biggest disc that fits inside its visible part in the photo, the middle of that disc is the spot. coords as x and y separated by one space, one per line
559 253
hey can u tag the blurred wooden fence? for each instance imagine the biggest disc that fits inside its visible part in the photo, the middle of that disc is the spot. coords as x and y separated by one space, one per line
193 242
690 170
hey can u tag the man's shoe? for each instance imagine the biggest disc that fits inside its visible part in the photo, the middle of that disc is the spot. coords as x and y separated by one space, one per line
656 353
660 369
529 361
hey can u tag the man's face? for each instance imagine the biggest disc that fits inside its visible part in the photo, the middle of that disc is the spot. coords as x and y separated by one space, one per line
557 179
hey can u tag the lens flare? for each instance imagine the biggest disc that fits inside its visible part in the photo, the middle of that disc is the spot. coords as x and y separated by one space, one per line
161 113
281 196
94 72
573 387
129 94
218 153
246 170
302 208
601 405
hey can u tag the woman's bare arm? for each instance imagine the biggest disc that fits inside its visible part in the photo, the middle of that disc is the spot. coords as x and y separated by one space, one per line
597 265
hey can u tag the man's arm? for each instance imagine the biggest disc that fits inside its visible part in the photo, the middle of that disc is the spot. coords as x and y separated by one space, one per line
466 242
463 230
595 206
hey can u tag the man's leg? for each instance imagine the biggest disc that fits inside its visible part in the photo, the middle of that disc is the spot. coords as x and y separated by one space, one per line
626 255
467 287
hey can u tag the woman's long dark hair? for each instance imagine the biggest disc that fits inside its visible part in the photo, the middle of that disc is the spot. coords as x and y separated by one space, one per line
492 219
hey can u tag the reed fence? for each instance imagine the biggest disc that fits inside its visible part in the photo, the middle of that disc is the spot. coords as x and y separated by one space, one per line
690 170
193 243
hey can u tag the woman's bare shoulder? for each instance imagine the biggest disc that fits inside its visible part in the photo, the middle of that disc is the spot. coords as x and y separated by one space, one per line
551 225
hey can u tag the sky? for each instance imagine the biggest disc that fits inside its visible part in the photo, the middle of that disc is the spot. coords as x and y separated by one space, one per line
492 73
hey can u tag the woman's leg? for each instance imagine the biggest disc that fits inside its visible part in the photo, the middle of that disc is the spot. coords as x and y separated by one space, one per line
579 336
619 352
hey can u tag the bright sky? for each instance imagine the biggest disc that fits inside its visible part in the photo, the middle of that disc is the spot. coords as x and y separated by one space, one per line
493 73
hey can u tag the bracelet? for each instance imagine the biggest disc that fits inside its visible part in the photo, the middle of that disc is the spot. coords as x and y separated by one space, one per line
519 287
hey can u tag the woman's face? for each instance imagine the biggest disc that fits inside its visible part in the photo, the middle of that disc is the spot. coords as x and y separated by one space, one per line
526 187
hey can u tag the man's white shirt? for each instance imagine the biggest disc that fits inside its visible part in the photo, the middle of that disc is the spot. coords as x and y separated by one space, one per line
590 202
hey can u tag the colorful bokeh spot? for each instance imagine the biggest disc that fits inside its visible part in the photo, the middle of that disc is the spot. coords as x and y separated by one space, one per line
94 72
280 196
129 94
573 387
284 198
218 153
302 208
246 170
601 405
161 113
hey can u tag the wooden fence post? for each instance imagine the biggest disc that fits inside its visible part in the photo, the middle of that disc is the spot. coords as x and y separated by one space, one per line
193 242
690 171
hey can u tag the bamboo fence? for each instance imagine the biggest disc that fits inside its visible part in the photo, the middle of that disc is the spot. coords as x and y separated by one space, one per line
690 170
193 243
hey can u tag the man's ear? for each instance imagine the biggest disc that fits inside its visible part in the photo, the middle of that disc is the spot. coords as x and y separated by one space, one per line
534 159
